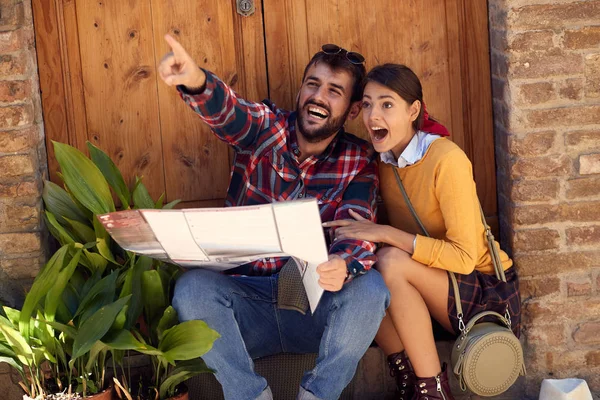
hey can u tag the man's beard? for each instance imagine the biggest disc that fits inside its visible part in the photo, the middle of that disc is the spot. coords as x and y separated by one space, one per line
325 131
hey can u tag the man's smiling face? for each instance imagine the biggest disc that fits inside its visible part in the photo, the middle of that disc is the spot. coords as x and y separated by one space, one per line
323 102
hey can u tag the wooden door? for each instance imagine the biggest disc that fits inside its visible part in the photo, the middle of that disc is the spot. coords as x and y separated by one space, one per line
98 76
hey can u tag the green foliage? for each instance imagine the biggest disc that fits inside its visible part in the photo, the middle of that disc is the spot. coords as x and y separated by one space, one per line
93 298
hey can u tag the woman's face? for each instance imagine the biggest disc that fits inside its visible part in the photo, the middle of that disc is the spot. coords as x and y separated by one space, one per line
388 118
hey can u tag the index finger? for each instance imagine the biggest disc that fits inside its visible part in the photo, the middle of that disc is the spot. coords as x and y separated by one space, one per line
339 222
175 45
356 215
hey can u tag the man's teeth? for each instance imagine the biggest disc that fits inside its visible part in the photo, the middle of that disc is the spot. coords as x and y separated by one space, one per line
318 112
377 128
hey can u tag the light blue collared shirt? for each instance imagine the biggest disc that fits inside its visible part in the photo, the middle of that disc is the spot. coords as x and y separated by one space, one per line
416 149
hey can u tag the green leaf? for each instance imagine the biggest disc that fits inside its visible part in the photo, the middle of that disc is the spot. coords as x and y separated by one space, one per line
57 230
41 285
188 340
96 327
96 349
111 173
84 233
54 295
59 203
133 286
18 344
167 321
103 241
5 350
12 315
120 319
171 205
141 197
84 180
124 340
66 329
159 203
183 371
154 297
96 261
103 290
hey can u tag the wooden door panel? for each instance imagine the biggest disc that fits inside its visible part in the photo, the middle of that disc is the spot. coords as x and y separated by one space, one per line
196 163
119 79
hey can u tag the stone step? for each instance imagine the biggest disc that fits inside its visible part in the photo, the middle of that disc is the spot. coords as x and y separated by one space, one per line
372 380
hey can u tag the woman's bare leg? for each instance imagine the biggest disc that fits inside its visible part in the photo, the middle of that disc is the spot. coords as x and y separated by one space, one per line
418 293
387 337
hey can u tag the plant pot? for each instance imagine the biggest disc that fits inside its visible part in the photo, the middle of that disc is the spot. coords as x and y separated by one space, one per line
183 395
107 394
180 396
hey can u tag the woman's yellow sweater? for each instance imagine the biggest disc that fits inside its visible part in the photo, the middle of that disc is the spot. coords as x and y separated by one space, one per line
442 191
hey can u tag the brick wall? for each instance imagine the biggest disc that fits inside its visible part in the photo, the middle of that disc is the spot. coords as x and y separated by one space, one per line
546 80
22 164
22 152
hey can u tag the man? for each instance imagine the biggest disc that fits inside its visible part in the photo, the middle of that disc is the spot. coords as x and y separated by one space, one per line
281 155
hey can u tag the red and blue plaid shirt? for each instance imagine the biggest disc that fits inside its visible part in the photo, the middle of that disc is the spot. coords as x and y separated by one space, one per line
266 167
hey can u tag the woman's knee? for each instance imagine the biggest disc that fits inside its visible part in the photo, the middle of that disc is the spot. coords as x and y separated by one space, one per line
392 264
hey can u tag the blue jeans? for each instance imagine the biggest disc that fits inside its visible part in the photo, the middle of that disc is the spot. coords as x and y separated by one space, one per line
244 311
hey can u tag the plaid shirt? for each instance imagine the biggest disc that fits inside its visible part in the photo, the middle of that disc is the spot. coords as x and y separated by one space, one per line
266 167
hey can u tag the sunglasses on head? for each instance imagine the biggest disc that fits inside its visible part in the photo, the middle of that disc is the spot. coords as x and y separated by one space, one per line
352 56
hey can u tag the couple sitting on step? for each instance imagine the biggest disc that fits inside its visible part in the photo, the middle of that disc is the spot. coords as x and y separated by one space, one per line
381 282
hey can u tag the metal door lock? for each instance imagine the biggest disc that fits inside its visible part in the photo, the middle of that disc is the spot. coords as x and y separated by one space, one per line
245 7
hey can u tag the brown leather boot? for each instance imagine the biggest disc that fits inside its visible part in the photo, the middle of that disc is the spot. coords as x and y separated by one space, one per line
402 370
434 388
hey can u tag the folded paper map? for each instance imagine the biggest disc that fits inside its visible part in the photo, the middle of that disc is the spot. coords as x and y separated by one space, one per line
224 238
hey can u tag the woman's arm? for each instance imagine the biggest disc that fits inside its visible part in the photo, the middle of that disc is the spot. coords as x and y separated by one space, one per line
362 228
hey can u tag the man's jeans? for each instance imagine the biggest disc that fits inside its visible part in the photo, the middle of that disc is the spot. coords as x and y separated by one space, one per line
244 311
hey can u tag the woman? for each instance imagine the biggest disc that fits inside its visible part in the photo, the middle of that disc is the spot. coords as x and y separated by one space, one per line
438 178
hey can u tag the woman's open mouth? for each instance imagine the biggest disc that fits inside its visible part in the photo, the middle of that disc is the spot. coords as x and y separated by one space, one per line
378 133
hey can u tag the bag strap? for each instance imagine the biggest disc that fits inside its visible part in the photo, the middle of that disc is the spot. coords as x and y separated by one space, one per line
494 254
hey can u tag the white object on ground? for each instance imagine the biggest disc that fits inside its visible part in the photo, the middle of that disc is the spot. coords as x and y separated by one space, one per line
565 389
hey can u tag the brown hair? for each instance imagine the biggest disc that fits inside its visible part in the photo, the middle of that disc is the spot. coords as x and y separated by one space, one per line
403 81
339 62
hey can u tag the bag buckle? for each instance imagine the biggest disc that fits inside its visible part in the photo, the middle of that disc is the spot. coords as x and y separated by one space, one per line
507 316
461 323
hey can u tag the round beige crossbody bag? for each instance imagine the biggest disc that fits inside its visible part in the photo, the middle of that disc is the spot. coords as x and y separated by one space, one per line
487 357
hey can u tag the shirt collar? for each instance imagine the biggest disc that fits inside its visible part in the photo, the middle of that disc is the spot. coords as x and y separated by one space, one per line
409 156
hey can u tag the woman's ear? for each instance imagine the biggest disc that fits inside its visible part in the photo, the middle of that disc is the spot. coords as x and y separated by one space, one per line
414 110
354 110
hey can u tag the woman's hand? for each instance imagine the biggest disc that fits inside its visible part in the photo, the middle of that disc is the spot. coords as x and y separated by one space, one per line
359 228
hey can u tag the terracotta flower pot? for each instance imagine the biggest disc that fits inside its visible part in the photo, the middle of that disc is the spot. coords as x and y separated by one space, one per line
183 395
107 394
180 396
104 395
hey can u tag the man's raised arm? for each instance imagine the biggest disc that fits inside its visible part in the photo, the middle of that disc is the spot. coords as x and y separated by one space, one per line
234 120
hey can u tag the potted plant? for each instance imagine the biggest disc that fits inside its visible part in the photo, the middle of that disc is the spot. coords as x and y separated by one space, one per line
28 338
147 324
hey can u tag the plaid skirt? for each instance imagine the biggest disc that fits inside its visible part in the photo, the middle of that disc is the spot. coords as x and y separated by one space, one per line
482 292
